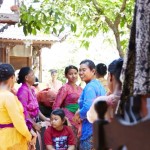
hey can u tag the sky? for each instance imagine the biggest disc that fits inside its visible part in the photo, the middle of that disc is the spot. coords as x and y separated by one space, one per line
5 7
63 54
60 54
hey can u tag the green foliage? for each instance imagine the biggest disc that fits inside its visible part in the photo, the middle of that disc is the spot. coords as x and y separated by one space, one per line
61 75
84 17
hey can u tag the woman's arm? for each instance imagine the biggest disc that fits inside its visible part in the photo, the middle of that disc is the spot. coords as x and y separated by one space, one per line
23 98
36 126
91 114
43 117
32 143
62 93
111 101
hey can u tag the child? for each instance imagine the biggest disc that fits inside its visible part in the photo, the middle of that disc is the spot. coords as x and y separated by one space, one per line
59 136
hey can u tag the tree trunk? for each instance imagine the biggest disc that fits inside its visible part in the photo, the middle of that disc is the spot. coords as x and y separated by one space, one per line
117 38
115 30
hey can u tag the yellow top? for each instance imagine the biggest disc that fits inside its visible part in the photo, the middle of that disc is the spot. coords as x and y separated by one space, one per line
11 111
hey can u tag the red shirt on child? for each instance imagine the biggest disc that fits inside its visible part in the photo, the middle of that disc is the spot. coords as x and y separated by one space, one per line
59 139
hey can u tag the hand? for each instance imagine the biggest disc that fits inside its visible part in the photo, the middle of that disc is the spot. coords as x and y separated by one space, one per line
68 122
113 100
108 93
31 147
32 143
37 127
79 131
47 119
45 124
76 117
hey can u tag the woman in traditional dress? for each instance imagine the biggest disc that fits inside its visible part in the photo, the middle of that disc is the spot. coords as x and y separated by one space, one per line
14 133
68 95
27 97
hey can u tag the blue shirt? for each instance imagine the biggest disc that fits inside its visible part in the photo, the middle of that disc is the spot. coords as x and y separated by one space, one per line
92 90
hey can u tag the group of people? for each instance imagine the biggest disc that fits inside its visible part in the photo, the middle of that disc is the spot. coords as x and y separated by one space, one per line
72 108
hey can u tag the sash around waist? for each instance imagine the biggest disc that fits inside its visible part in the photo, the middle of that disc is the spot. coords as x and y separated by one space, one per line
72 107
7 125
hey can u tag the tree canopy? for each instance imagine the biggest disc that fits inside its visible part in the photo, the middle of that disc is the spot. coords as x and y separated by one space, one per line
83 17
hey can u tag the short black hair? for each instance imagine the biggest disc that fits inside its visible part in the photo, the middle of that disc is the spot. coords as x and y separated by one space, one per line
6 71
70 67
115 68
101 69
89 62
